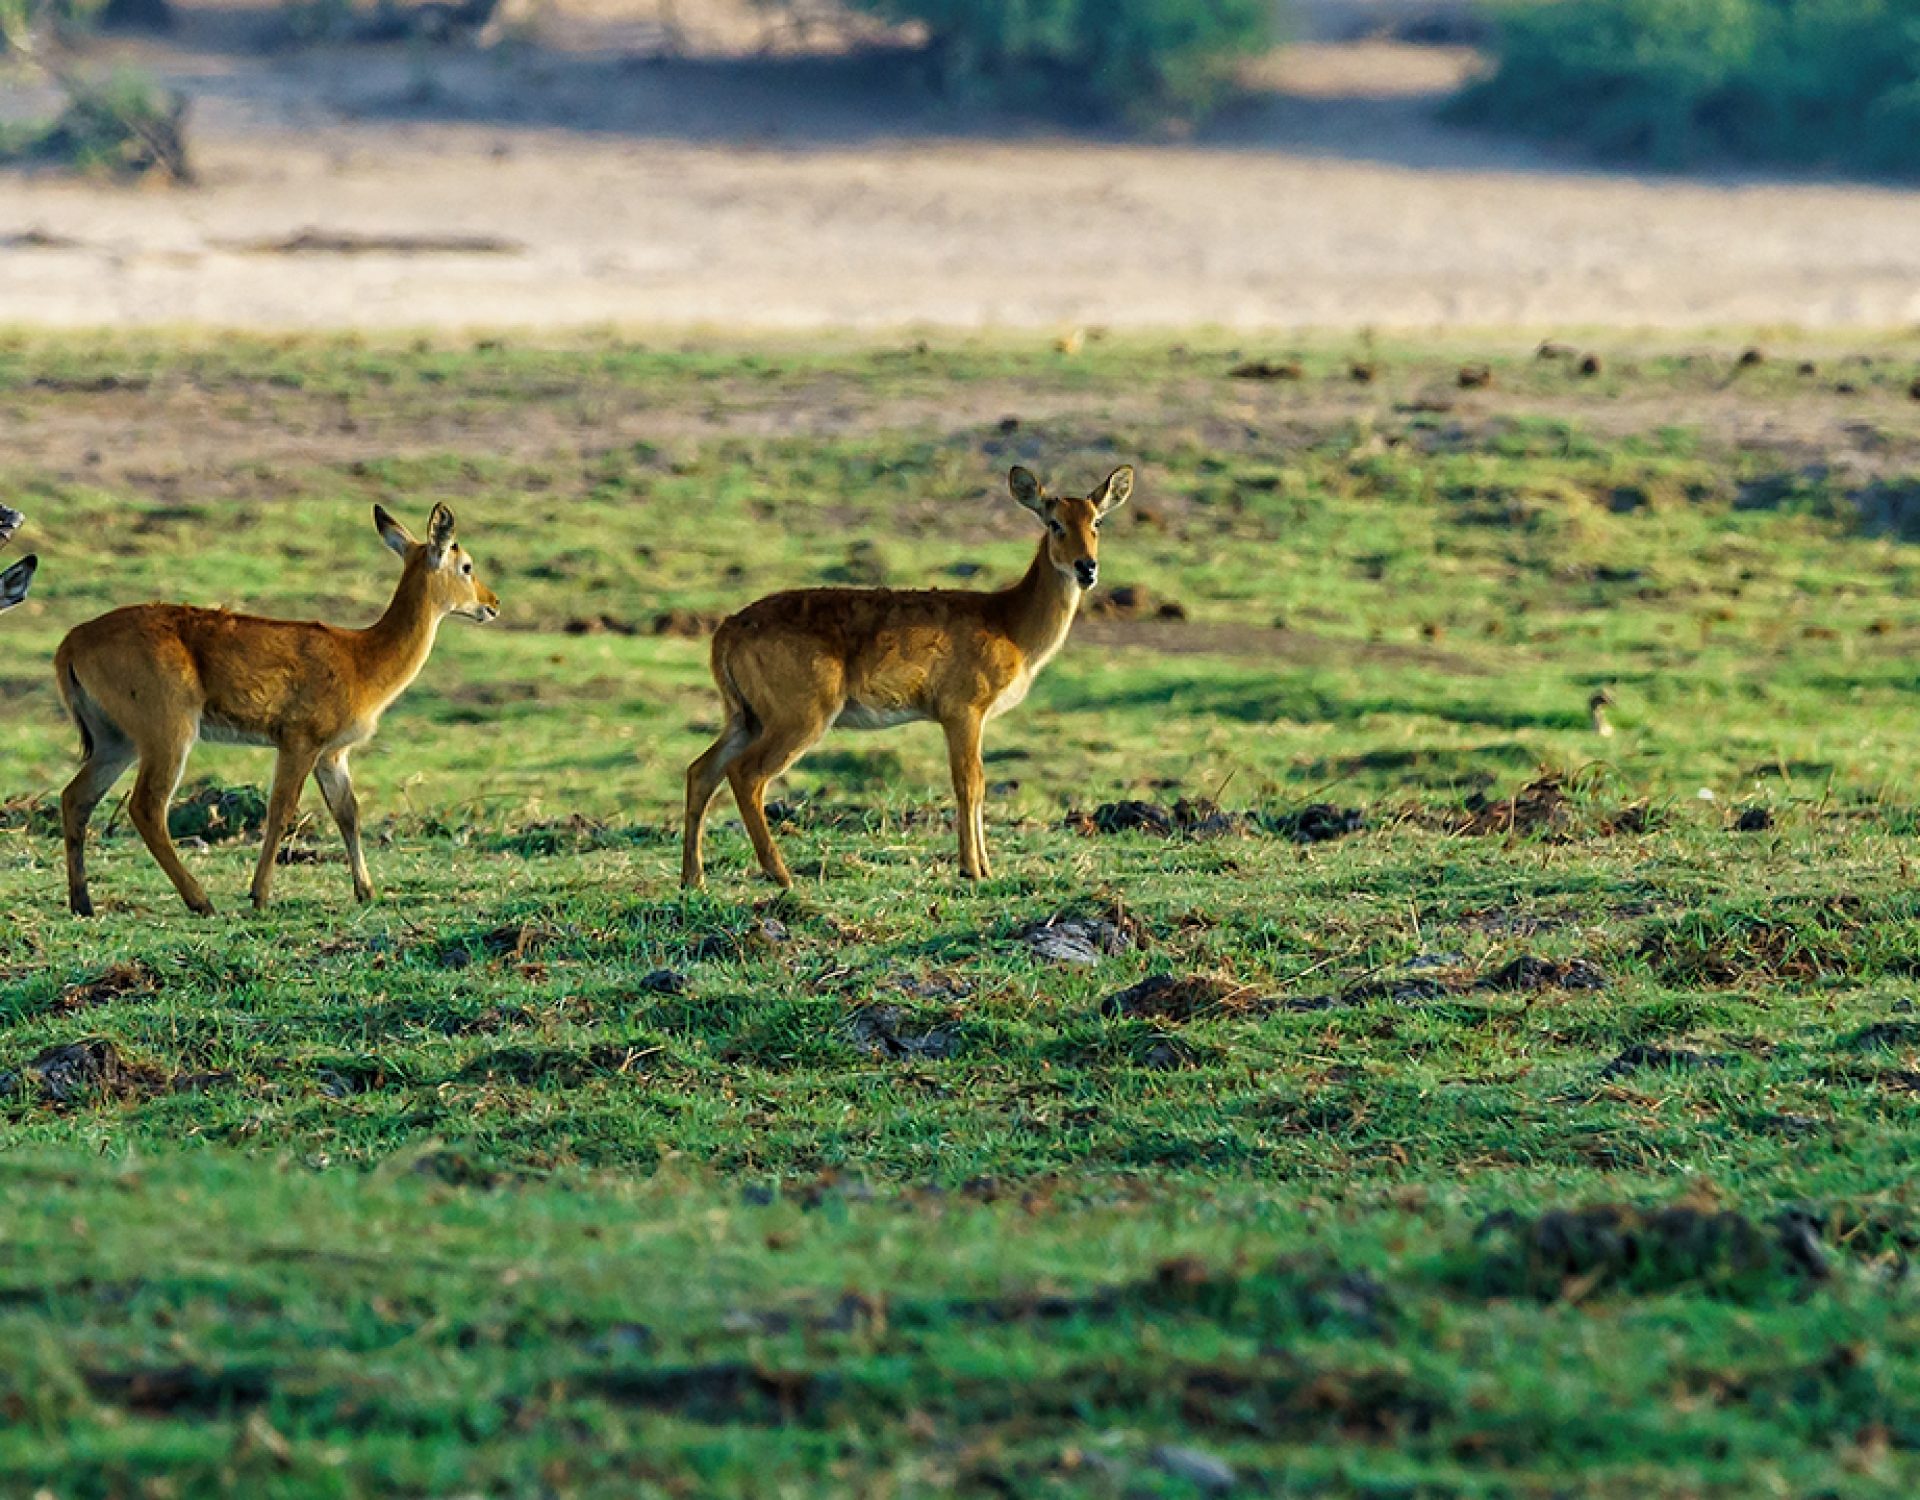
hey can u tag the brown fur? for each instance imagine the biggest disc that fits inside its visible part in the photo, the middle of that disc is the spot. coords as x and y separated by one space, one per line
150 681
792 665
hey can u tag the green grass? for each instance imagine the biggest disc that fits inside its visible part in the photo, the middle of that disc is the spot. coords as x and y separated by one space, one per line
458 1194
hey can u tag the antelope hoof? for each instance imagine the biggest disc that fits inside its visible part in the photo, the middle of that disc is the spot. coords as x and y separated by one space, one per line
81 904
363 894
201 908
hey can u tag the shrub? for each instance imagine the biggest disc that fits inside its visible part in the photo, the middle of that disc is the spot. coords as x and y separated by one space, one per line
1136 58
1800 82
125 125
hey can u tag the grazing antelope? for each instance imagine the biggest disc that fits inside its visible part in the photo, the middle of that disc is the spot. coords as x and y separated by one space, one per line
14 581
147 682
793 665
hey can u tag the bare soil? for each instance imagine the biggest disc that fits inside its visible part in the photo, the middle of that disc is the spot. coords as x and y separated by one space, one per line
590 164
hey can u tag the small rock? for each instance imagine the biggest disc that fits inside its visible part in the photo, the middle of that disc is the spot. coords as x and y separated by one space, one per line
1133 817
1210 1475
1266 369
1076 940
1318 822
664 982
1753 820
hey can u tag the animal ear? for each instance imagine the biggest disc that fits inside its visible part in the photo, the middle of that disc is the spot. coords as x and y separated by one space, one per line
440 532
1027 490
13 582
392 532
10 521
1113 494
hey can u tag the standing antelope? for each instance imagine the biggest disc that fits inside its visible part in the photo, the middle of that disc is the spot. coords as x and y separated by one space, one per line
793 665
14 581
148 682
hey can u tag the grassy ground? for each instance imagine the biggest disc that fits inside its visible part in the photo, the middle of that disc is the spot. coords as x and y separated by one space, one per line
1517 1112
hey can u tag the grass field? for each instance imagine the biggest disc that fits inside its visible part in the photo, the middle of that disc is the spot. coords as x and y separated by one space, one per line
1471 1105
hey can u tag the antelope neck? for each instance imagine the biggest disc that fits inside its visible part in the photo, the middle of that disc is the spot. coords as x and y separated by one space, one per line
1042 606
395 646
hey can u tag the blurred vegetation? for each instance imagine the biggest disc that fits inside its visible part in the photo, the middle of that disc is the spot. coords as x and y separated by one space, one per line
124 125
1821 83
1138 59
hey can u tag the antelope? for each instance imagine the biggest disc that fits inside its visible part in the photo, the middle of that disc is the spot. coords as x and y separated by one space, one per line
14 581
793 665
147 682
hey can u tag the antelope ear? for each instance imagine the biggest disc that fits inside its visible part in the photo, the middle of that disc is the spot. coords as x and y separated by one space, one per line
10 521
13 582
392 532
1027 491
1115 492
440 533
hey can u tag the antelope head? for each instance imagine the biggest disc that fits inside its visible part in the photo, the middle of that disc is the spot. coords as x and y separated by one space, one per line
1073 522
452 587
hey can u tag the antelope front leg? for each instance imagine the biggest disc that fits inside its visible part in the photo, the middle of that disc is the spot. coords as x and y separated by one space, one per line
969 791
336 785
289 775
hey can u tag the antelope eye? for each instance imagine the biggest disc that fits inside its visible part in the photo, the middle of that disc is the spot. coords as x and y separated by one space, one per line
466 568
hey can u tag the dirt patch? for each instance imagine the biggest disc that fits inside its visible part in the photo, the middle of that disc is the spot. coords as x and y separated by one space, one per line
758 938
1568 1254
1132 602
1643 1055
348 1078
1437 976
93 1068
1544 808
878 1029
1399 989
1078 940
1318 823
686 624
1884 1035
1197 817
489 1022
732 1392
1540 806
512 942
1180 998
121 981
216 814
599 625
1267 369
1799 941
347 242
1530 973
182 1390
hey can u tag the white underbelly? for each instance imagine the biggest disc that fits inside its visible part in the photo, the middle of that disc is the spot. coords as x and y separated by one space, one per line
861 716
217 732
1011 696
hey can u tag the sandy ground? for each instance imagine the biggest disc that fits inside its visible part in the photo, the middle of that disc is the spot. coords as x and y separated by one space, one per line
629 176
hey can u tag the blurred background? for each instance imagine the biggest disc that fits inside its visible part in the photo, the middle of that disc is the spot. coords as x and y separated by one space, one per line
1056 164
